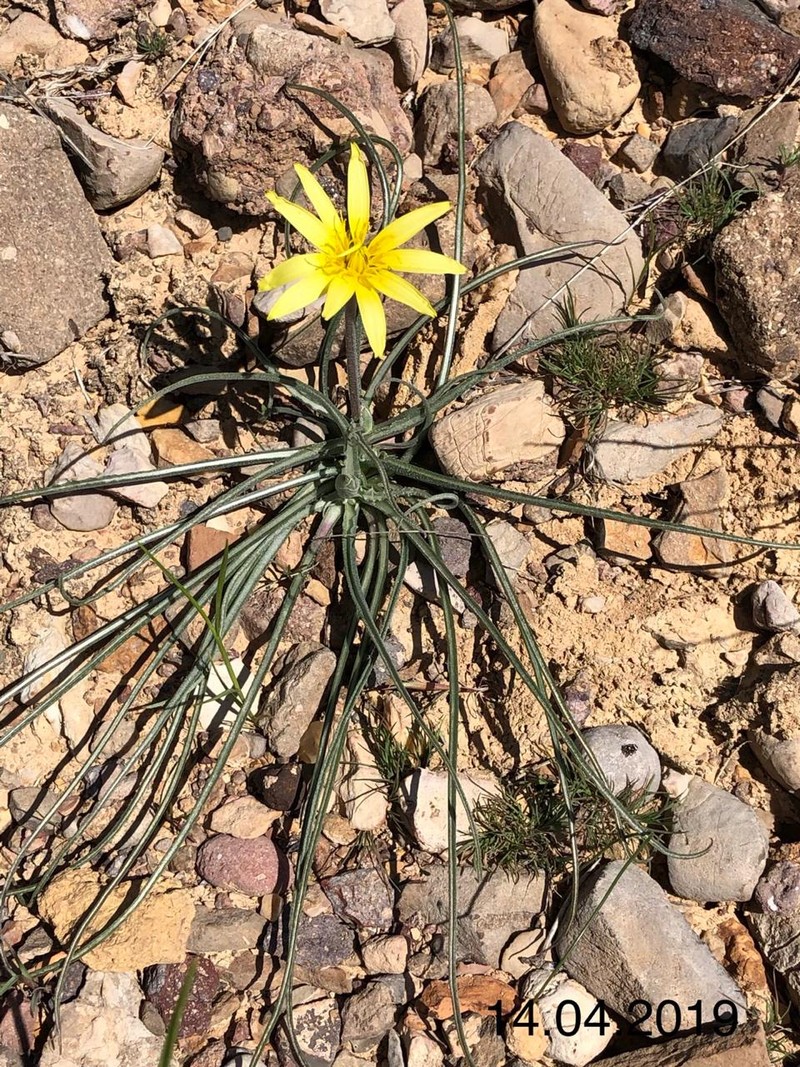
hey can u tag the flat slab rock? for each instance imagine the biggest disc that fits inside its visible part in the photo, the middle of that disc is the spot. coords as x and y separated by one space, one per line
636 945
52 255
537 199
745 1047
729 45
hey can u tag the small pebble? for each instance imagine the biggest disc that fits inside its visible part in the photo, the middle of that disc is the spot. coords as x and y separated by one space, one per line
772 609
224 233
161 241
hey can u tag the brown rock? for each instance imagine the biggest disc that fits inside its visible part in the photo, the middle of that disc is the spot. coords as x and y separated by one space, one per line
254 867
745 1047
243 129
45 237
476 992
173 447
624 541
203 543
156 932
163 985
700 502
728 45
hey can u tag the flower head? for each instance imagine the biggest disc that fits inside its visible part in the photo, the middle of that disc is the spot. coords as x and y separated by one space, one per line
345 264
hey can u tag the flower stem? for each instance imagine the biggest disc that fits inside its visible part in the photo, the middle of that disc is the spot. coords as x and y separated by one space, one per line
352 347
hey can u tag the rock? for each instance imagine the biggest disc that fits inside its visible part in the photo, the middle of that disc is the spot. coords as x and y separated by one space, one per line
557 1006
324 945
52 237
772 400
627 190
778 891
520 955
101 1027
163 984
623 542
317 1025
509 85
637 946
729 45
84 511
437 125
238 152
625 757
476 993
114 171
490 911
128 460
425 793
409 46
363 791
511 432
362 897
692 144
217 930
243 817
758 283
294 697
699 504
758 152
161 241
367 21
172 448
589 72
93 20
515 170
118 426
511 545
204 543
479 41
156 932
775 733
367 1017
745 1047
627 453
28 35
602 7
385 954
423 1051
772 609
254 867
638 152
731 838
278 787
128 79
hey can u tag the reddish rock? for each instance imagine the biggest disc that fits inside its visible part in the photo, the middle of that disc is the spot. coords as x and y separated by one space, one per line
255 867
728 45
163 984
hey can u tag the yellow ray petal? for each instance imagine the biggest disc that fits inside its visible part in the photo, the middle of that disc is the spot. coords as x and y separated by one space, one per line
312 228
291 270
373 318
341 289
358 195
404 228
300 295
318 198
398 288
420 261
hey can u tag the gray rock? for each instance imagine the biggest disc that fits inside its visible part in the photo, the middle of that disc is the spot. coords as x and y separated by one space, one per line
729 835
758 283
539 200
625 757
438 118
317 1025
728 45
93 20
368 1016
779 756
113 172
511 545
129 460
775 734
745 1047
776 926
635 945
479 41
367 21
224 930
771 400
700 502
161 241
362 897
772 609
45 237
759 150
293 699
628 190
490 911
118 426
323 941
778 891
692 144
237 152
627 453
409 46
455 544
84 511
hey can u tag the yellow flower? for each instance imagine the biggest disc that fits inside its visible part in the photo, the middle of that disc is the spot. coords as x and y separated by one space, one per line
345 264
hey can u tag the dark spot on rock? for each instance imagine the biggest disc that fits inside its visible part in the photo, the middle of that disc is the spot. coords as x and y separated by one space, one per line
629 750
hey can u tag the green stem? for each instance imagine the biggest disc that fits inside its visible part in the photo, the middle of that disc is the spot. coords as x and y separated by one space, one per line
352 347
